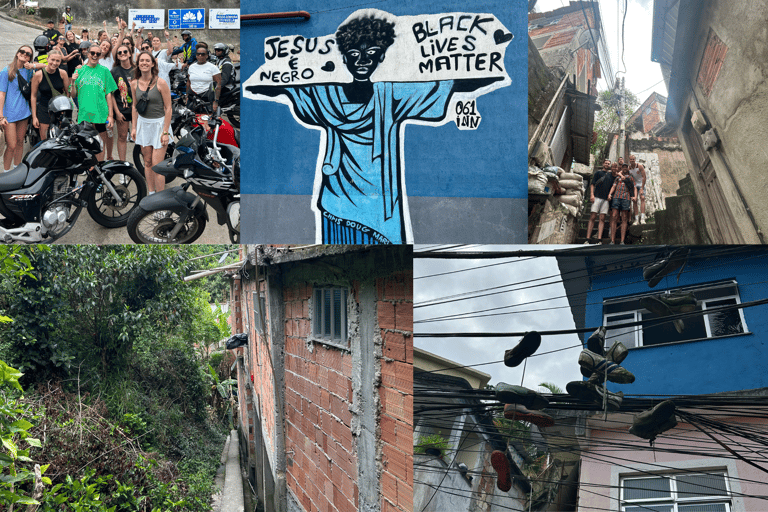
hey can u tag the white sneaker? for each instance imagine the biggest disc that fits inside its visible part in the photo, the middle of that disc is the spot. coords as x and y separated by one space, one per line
642 218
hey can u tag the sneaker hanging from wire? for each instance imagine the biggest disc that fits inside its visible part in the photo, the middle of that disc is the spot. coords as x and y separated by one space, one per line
525 348
649 424
520 412
510 394
500 464
668 305
654 272
595 363
590 392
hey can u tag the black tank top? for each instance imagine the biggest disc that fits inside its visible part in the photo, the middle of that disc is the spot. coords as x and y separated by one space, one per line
45 90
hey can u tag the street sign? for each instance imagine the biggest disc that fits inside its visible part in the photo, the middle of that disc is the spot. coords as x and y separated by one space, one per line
186 18
224 18
147 18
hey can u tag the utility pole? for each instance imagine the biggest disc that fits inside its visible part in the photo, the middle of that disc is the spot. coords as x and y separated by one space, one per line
622 128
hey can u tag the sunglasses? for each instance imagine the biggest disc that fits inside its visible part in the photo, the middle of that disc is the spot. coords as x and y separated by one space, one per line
145 48
123 52
203 54
28 54
95 54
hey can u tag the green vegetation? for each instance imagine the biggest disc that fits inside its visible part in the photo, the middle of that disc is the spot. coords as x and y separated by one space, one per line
432 441
122 410
607 119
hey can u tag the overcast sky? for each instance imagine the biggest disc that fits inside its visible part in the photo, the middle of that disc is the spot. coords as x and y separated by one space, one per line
641 73
558 368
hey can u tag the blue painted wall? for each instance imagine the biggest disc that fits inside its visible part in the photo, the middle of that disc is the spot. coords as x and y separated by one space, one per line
698 367
280 156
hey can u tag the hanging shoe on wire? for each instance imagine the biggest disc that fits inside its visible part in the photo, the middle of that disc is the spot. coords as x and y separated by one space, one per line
596 342
668 305
520 412
590 392
654 272
616 354
509 394
500 464
595 363
649 424
527 346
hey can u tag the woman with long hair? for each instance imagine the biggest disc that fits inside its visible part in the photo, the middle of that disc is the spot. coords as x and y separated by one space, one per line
122 72
14 109
45 81
71 53
106 59
151 127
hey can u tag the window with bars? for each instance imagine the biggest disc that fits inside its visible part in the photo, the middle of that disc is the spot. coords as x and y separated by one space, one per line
684 492
329 322
258 298
709 325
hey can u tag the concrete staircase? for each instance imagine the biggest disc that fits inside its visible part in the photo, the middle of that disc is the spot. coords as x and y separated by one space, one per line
644 234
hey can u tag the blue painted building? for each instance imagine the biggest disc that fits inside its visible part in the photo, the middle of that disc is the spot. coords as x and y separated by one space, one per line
450 166
715 353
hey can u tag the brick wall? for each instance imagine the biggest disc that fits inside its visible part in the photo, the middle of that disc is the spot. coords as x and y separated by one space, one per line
322 464
395 315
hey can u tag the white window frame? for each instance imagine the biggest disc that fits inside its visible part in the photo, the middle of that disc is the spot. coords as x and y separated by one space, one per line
673 499
318 315
705 304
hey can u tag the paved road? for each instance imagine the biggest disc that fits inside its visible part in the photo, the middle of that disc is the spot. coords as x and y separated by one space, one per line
86 231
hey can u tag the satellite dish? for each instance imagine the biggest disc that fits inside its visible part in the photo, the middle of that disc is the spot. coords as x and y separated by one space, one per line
589 37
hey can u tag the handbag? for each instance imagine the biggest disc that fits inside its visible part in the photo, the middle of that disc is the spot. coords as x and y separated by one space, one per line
25 88
141 104
54 92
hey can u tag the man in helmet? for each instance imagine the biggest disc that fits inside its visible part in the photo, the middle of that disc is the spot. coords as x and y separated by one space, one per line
51 33
42 44
226 67
187 50
68 18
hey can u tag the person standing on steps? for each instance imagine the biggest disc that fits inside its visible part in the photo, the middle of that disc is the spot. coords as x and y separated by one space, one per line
602 182
623 193
637 171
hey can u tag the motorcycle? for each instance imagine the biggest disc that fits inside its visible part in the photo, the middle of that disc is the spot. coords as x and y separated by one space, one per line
183 119
41 199
177 216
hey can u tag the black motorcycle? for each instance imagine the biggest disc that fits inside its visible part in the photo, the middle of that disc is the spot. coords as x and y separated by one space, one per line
177 216
41 199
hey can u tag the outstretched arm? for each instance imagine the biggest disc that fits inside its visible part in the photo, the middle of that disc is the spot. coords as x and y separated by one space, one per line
266 90
473 84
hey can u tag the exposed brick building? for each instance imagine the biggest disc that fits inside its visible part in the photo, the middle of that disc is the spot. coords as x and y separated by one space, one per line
325 383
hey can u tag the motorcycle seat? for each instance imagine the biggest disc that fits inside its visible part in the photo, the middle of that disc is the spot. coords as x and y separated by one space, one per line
13 180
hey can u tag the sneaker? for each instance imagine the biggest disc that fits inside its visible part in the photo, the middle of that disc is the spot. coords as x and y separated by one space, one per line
617 353
589 392
596 363
664 266
649 424
500 464
520 412
526 347
596 342
669 305
509 394
129 138
611 242
642 218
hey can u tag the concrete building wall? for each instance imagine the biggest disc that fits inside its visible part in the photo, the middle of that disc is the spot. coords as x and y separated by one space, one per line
599 466
729 85
719 363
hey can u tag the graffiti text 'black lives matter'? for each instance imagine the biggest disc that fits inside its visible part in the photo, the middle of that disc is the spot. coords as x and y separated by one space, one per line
444 51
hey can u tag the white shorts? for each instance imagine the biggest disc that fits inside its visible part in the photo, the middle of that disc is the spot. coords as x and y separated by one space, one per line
149 131
600 206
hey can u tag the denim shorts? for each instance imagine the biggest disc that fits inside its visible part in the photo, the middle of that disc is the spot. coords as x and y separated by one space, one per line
621 204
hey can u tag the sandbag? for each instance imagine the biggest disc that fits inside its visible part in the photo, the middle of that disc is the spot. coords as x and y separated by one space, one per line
537 182
572 200
553 169
571 176
571 184
571 209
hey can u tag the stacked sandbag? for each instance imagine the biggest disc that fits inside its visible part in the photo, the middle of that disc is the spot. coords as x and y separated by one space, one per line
573 191
540 182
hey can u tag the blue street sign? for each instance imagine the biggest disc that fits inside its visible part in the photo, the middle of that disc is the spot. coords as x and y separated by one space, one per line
186 18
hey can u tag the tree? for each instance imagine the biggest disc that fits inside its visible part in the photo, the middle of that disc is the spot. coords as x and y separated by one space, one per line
607 119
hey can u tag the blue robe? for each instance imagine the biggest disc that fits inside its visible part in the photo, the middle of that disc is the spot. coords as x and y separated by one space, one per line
362 179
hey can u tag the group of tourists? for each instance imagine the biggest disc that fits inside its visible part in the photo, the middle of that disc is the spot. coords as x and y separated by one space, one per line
619 188
115 80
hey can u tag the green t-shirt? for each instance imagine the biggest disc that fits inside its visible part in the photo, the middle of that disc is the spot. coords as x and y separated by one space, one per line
93 86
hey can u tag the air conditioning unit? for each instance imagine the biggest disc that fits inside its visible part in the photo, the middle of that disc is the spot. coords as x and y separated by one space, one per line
710 139
698 121
541 154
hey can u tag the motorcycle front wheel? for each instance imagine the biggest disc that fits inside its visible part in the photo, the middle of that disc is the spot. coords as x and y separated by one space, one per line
111 211
234 116
155 227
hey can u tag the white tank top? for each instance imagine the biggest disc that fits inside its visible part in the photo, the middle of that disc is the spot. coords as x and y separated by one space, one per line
635 173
